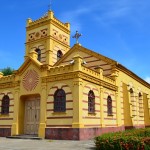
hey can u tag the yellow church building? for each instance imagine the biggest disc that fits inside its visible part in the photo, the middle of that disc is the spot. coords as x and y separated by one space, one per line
69 93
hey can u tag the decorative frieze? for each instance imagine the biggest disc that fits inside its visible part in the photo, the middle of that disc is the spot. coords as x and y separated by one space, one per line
81 75
37 35
9 84
78 82
59 36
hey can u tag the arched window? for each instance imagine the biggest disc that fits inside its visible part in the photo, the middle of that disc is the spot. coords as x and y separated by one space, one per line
131 90
60 101
5 105
91 102
109 105
133 103
141 113
39 54
140 94
59 54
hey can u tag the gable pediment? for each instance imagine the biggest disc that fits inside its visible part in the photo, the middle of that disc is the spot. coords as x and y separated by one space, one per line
29 62
93 60
29 75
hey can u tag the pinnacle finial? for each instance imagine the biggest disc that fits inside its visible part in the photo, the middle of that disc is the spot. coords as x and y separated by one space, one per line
77 36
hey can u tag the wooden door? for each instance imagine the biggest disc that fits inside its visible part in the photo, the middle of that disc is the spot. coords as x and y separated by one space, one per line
32 116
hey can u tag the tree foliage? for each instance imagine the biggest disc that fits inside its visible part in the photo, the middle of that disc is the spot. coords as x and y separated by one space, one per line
7 71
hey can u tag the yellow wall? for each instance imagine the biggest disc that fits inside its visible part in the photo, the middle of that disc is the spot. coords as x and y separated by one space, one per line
133 115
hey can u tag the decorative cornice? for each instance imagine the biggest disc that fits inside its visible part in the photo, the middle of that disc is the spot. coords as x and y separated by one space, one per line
78 82
8 78
79 74
9 84
61 26
64 76
132 75
39 40
35 24
46 38
60 42
98 81
66 25
47 22
48 19
40 20
45 67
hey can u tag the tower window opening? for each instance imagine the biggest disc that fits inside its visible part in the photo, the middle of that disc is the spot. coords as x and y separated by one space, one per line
39 54
59 54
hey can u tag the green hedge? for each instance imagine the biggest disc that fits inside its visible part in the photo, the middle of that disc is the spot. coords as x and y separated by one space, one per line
136 139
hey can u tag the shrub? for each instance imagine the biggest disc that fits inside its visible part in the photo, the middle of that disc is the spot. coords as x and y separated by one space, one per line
136 139
7 71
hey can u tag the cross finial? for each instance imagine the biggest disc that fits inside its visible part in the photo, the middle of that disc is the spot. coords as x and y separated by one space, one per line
76 36
50 6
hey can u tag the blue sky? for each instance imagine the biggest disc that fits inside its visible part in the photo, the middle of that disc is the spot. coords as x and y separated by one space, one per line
118 29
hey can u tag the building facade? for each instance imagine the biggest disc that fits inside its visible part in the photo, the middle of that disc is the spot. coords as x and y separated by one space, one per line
69 93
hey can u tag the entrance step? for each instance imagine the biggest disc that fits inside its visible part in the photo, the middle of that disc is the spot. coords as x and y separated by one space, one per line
31 137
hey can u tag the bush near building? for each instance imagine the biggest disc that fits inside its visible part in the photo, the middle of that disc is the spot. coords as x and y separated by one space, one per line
7 71
135 139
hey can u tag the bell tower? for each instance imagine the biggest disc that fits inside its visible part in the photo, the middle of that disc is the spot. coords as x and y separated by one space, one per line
49 37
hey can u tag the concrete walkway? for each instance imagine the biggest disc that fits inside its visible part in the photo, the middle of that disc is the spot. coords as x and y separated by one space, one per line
25 144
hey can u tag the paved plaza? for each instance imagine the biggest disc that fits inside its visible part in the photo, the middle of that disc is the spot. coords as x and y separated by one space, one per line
26 144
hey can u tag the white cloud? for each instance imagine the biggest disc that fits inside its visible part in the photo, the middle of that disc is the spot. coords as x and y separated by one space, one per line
73 17
104 11
147 79
108 12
